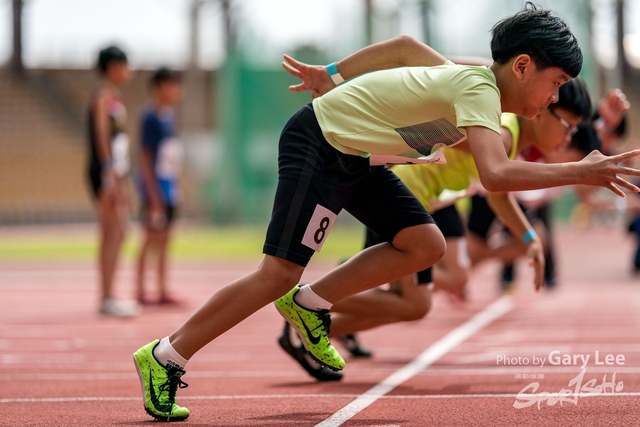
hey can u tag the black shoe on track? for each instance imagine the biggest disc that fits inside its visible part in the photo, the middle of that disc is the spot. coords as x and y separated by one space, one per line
353 346
299 354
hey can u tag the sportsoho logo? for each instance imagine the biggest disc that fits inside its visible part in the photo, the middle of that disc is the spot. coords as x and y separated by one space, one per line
578 386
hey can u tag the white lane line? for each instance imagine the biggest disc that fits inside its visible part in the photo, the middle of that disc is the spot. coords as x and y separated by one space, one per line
497 309
297 396
489 371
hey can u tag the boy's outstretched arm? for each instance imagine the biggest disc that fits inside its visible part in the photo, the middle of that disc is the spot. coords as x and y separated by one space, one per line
403 51
511 215
498 173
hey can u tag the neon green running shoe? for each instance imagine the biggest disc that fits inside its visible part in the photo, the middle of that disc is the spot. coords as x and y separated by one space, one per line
159 385
313 327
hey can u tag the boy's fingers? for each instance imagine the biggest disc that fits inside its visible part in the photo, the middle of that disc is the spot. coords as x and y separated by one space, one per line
291 60
297 88
626 184
627 155
615 189
294 71
628 171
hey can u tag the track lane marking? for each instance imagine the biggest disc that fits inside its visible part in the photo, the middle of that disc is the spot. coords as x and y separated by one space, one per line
438 349
488 371
136 399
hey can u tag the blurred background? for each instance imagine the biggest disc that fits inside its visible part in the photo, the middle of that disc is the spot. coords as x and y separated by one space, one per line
236 99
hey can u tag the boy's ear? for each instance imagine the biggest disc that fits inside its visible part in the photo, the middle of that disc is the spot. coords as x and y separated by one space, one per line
520 65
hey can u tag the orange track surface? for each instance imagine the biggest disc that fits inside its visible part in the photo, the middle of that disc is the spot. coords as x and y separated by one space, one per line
63 365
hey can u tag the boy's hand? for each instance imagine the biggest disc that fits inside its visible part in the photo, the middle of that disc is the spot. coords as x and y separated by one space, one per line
603 171
612 108
535 254
314 77
157 217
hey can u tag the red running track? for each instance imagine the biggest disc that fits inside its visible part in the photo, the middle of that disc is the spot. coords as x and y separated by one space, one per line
63 365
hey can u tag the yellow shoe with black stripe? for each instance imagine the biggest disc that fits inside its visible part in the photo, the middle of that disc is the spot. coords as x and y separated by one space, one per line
159 385
313 328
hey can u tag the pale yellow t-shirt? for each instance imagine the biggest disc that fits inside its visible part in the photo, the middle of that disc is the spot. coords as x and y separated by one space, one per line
409 111
436 186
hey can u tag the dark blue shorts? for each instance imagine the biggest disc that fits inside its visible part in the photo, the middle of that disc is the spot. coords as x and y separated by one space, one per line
316 181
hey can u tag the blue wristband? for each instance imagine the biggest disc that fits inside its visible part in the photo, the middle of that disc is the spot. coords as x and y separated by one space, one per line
529 235
332 70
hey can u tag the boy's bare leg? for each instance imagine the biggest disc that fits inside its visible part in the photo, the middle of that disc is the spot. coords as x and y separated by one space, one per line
394 303
405 301
162 244
345 324
141 264
452 271
414 249
234 303
111 237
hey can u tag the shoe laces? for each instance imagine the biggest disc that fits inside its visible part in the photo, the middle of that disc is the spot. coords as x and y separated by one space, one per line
170 386
325 318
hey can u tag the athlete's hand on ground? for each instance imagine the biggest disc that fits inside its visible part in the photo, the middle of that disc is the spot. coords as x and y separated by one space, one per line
603 171
314 77
535 255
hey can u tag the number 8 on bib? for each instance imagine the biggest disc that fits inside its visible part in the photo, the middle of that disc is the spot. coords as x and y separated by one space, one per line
318 228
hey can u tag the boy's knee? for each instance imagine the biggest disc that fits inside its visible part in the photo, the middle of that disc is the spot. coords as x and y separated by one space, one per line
417 311
428 244
279 274
423 241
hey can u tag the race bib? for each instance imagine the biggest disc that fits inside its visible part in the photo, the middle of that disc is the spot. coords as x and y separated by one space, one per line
318 228
169 163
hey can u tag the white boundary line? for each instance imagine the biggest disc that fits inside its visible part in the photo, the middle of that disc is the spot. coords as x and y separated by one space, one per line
426 358
297 396
486 371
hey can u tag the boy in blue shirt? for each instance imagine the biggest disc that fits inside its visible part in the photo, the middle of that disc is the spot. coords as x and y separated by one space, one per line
160 166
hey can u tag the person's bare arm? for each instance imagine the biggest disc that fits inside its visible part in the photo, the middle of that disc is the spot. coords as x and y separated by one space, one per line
156 219
507 209
401 51
498 173
102 132
101 126
150 184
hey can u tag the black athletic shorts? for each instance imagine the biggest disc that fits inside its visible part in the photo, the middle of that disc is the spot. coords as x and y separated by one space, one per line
169 215
316 181
480 217
94 173
448 221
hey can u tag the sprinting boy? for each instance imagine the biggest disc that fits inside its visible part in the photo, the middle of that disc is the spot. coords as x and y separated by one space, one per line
437 187
325 160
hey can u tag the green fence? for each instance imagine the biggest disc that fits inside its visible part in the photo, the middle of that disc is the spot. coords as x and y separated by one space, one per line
253 106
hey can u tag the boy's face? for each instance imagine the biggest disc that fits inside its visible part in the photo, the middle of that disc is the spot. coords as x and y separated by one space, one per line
119 73
534 89
554 129
169 92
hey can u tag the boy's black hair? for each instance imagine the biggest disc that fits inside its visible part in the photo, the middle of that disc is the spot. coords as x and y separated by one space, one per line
546 38
108 55
585 139
574 97
162 75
